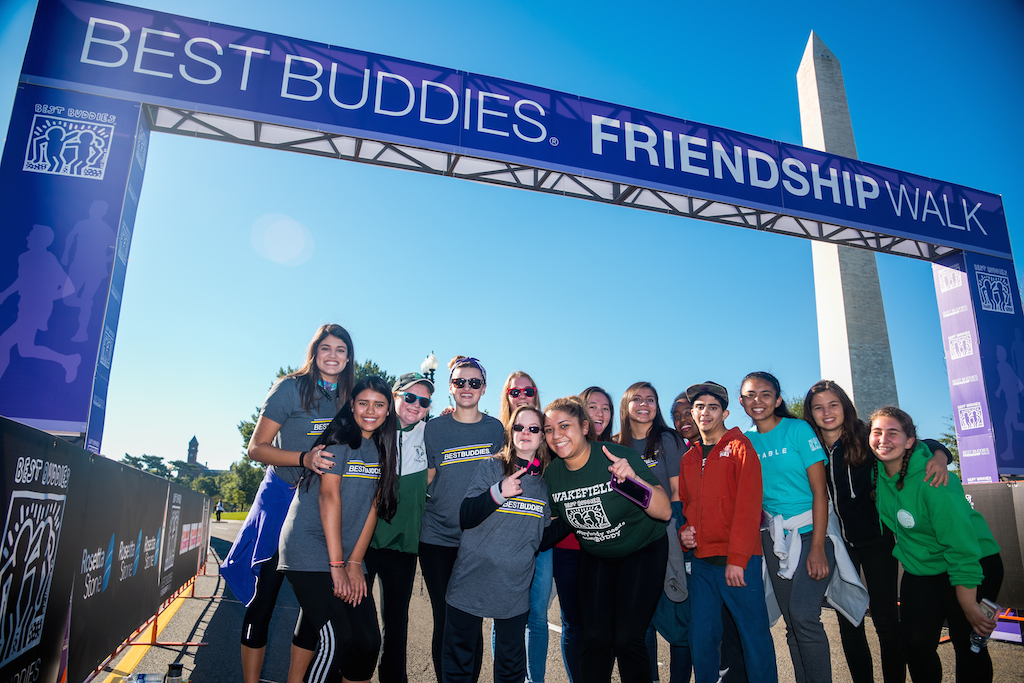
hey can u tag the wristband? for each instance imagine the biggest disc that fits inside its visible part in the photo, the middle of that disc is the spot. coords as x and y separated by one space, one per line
354 562
302 457
339 563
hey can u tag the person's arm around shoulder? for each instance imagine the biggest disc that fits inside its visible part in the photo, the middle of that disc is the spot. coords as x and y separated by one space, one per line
937 469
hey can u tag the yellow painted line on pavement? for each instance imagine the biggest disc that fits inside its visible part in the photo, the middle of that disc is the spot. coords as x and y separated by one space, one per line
138 650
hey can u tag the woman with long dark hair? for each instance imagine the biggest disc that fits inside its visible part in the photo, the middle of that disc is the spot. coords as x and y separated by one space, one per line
642 427
456 445
395 544
623 544
323 546
950 559
298 408
796 497
833 417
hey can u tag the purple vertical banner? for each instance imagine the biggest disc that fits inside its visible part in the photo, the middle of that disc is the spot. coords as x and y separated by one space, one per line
979 309
125 229
64 183
997 312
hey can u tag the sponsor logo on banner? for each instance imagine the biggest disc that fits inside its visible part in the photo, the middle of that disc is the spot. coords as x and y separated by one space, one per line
970 415
141 150
961 345
124 241
30 541
950 279
994 290
965 380
107 347
64 146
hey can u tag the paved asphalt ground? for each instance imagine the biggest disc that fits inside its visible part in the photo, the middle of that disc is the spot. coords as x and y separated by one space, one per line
217 621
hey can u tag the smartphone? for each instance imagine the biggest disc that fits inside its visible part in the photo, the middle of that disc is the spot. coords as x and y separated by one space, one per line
634 489
990 609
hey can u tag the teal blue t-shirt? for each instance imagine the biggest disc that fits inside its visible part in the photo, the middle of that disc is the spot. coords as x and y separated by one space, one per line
786 452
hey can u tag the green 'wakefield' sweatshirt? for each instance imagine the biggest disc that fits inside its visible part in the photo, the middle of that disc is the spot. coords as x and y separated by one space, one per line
936 529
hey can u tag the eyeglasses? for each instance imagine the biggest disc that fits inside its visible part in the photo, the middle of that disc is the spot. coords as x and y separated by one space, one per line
412 398
529 391
644 401
474 383
533 429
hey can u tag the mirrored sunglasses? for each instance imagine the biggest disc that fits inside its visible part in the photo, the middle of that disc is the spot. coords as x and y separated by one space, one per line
412 398
474 383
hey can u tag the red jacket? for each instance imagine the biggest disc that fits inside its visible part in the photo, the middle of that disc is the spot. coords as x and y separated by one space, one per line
723 503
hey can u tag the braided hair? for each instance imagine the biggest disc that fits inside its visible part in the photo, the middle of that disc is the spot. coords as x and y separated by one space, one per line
907 425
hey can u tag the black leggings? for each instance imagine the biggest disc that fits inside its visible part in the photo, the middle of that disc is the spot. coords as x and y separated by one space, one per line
617 598
349 638
397 571
436 564
927 601
256 624
880 573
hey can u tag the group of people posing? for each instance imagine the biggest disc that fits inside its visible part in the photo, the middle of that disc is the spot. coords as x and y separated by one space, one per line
652 529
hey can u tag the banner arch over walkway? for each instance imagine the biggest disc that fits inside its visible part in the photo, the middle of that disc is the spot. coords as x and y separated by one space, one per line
84 114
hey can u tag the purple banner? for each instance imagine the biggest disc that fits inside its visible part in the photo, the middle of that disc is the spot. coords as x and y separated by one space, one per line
159 58
979 308
64 172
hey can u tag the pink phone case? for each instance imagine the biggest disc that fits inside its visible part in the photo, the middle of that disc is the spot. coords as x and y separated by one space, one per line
634 489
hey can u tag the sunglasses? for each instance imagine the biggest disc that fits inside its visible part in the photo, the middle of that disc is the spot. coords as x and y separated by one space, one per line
529 391
474 383
533 429
412 398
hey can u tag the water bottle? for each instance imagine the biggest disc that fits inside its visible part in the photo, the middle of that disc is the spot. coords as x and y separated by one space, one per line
978 642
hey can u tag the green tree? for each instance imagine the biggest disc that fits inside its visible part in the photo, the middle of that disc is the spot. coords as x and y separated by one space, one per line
368 368
185 472
206 484
796 406
948 439
153 464
238 486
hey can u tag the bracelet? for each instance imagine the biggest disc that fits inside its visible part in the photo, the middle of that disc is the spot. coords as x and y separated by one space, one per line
339 563
302 456
354 562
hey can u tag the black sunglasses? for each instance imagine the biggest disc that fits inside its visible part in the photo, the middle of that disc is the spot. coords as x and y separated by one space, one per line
474 383
412 398
529 391
534 429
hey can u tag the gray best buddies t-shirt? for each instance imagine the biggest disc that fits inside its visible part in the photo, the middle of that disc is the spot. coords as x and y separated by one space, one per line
303 547
454 451
493 571
299 429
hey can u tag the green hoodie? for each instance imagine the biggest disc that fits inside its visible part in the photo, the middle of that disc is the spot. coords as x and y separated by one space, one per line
936 529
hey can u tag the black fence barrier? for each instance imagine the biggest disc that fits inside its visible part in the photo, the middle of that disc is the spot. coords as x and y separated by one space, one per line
90 550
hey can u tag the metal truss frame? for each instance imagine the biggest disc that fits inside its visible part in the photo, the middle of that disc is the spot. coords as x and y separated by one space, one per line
363 150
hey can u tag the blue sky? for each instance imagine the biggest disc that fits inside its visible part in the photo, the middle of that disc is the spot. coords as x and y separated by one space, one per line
573 292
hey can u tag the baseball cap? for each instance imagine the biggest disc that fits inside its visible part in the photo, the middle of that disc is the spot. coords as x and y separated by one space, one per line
716 390
410 378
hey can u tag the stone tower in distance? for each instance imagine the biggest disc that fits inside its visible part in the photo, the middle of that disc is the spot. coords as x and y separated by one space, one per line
193 450
853 338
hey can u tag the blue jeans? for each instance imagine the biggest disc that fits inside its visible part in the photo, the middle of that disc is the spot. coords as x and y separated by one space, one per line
708 592
537 623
